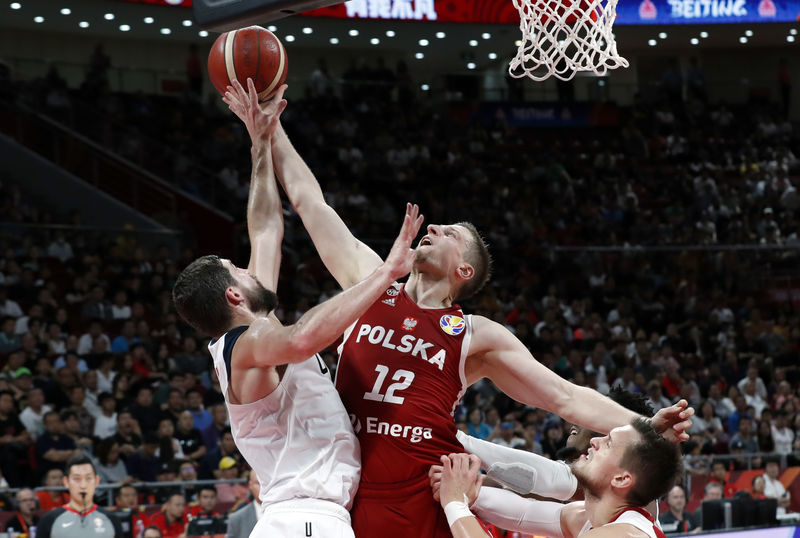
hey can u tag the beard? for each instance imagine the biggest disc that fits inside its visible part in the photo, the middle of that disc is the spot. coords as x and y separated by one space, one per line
590 487
261 299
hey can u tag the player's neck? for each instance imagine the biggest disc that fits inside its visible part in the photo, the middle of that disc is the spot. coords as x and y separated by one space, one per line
428 292
241 317
601 510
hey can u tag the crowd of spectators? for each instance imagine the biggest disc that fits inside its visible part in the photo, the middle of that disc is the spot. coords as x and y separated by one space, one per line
95 360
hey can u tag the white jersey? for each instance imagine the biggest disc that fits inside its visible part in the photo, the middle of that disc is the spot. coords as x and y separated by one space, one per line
298 439
636 517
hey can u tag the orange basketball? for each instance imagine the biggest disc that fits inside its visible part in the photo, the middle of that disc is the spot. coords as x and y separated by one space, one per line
251 52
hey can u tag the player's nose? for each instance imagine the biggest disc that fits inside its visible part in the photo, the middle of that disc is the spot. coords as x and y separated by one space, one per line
433 229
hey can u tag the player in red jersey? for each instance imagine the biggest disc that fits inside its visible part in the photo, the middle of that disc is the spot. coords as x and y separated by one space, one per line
405 364
620 474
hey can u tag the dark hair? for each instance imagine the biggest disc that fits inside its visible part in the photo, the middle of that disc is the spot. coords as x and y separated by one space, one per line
199 295
4 392
102 449
654 462
206 487
80 459
67 414
119 491
632 400
103 396
477 255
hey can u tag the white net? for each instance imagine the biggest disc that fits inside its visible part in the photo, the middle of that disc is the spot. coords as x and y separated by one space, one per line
560 38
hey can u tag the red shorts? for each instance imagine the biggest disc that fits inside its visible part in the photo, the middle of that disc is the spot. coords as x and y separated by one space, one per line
398 509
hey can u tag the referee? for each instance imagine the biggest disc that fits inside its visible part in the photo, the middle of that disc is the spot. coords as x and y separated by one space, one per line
80 517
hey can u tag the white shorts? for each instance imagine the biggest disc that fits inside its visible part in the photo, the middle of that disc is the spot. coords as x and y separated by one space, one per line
304 518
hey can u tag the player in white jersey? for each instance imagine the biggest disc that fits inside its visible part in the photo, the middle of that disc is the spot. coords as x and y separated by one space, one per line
620 474
286 417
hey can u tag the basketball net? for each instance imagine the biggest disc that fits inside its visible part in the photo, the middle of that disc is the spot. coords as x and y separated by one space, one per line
560 38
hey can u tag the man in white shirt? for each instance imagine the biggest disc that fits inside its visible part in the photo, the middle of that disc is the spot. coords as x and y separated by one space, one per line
752 375
31 417
752 398
773 488
86 341
105 424
782 433
7 306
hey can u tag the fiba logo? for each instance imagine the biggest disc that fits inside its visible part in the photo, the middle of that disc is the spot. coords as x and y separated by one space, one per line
452 325
647 10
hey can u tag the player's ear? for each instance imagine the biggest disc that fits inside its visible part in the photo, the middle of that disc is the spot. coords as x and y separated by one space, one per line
465 271
622 480
234 296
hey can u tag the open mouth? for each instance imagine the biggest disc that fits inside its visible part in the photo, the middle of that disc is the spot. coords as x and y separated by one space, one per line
425 241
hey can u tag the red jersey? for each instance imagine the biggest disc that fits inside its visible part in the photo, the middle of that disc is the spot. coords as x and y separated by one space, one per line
400 376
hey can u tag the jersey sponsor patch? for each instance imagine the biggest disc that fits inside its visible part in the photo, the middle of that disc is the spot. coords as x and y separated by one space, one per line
409 324
390 301
452 325
392 292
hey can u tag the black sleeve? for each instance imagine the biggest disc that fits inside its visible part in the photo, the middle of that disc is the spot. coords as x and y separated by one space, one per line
46 523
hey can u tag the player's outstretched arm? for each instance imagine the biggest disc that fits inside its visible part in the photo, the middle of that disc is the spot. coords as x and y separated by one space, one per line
524 472
459 483
348 259
269 344
497 354
264 215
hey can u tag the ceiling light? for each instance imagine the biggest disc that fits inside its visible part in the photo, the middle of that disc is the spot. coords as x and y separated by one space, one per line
38 19
748 33
473 42
83 24
419 56
109 16
425 87
793 31
375 41
149 20
471 65
492 55
518 43
15 5
202 33
694 41
289 38
790 38
743 39
334 41
272 28
65 11
652 42
166 31
440 35
486 35
390 33
124 28
704 34
423 42
601 83
186 22
353 32
662 35
308 30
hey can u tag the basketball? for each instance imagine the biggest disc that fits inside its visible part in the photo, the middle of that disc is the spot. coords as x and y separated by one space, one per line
251 52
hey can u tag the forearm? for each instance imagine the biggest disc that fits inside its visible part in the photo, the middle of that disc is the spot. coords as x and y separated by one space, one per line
514 513
321 325
263 201
524 472
590 409
296 177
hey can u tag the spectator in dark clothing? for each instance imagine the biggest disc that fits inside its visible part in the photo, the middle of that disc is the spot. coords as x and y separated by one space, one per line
219 420
144 411
143 464
14 439
128 434
53 448
25 515
209 466
189 437
676 519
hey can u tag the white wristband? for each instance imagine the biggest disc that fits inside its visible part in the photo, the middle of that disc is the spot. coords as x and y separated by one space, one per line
456 510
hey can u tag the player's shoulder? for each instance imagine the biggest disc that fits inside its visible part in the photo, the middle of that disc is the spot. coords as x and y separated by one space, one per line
487 333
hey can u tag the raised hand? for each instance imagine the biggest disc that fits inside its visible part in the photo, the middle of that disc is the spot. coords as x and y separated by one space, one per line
401 257
672 422
260 119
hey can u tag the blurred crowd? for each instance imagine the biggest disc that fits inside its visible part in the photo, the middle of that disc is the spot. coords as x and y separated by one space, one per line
95 360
